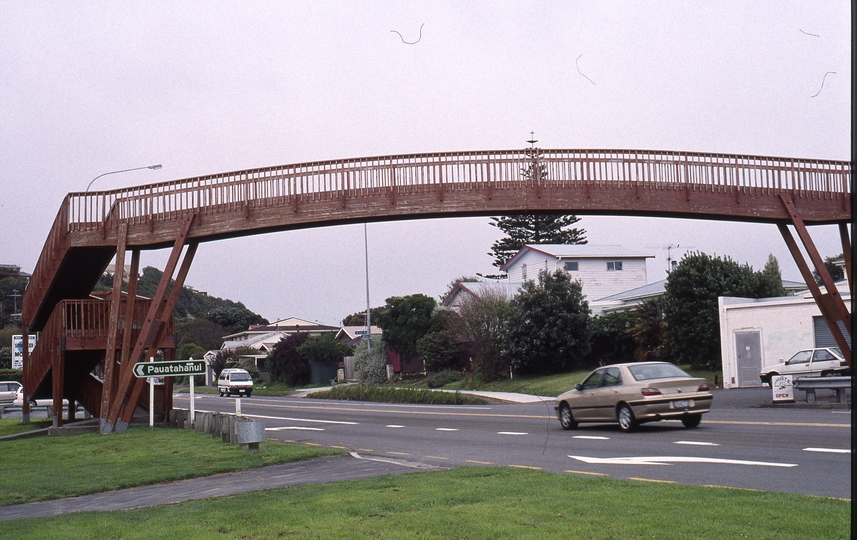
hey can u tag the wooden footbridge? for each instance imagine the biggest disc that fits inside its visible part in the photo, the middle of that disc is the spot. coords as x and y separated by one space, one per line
88 344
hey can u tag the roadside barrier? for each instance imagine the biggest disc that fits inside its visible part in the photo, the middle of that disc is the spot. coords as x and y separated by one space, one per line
231 428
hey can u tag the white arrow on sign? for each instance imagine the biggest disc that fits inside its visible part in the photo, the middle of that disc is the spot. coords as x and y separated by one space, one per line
666 460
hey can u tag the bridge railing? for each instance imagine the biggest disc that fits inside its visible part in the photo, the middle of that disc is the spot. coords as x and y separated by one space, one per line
509 169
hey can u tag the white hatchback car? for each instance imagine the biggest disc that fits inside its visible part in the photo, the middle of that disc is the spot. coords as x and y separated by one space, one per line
8 390
41 402
809 363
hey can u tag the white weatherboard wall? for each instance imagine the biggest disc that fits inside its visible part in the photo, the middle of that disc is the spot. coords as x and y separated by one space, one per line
592 272
785 326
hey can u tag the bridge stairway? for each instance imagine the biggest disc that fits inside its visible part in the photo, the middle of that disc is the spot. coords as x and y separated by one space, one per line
68 359
62 272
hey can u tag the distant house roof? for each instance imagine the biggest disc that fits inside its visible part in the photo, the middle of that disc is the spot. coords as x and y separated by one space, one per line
479 289
349 333
628 299
579 251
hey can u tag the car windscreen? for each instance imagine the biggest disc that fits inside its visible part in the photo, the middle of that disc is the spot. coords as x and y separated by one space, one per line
236 377
645 372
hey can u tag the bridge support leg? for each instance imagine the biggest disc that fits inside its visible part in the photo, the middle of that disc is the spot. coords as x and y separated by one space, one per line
846 252
167 310
830 302
113 328
151 329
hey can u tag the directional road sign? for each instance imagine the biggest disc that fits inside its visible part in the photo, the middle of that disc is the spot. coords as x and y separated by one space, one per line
169 369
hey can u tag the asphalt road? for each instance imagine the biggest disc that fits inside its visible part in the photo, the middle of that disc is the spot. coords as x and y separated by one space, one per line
741 443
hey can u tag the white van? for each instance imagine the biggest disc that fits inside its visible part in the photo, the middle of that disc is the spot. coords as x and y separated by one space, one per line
234 381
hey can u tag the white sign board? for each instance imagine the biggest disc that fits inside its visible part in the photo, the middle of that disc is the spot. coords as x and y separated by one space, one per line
783 388
18 349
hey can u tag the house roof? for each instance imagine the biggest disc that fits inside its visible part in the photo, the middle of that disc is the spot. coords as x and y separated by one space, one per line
579 251
348 333
481 288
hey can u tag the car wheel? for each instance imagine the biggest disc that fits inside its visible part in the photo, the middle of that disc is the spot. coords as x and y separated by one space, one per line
691 421
625 415
221 393
565 417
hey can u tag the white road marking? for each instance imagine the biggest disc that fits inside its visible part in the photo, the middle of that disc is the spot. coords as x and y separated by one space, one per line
697 443
831 450
445 429
394 426
666 460
287 419
591 437
299 428
511 433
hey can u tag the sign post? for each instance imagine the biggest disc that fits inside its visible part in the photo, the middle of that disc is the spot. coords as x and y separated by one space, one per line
154 370
783 388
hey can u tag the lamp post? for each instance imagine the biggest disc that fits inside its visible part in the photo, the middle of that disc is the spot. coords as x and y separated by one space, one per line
153 167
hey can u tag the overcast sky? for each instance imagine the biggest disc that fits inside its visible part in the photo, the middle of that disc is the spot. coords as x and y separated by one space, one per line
206 87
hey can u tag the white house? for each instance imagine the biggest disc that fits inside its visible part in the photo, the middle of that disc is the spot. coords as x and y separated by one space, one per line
264 337
602 270
759 332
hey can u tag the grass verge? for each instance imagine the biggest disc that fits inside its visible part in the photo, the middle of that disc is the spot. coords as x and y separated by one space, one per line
367 392
471 502
11 426
92 463
545 385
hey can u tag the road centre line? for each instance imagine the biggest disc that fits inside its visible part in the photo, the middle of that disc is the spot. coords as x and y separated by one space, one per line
591 437
697 443
300 428
523 416
511 433
312 420
394 426
445 429
830 450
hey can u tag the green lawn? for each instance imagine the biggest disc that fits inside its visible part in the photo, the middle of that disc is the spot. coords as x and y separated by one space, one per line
546 385
471 502
93 463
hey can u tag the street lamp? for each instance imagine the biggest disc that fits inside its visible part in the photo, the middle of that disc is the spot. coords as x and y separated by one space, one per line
153 167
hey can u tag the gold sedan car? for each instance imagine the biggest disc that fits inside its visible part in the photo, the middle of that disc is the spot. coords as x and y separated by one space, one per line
635 393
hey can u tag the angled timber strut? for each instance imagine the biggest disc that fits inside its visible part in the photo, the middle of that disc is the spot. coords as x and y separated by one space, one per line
82 334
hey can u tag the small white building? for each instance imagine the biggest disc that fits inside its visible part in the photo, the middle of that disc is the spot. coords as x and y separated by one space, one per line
602 270
759 332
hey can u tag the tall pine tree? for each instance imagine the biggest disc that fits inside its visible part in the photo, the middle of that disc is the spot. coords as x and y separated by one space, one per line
533 228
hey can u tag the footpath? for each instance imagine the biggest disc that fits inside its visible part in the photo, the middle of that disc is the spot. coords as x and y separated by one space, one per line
317 471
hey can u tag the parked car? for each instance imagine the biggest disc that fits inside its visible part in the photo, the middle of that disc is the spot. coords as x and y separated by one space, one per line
635 393
820 362
8 389
234 381
41 402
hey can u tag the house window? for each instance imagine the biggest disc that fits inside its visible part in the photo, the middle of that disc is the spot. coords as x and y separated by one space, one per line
571 266
614 266
524 272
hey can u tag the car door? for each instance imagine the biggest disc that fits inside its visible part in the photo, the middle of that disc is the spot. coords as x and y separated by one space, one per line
606 396
822 361
798 364
583 405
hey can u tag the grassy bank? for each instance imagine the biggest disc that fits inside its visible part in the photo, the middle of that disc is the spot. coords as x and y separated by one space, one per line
476 503
364 392
92 463
544 385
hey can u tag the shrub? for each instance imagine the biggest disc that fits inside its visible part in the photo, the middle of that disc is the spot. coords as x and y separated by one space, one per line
371 365
436 380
